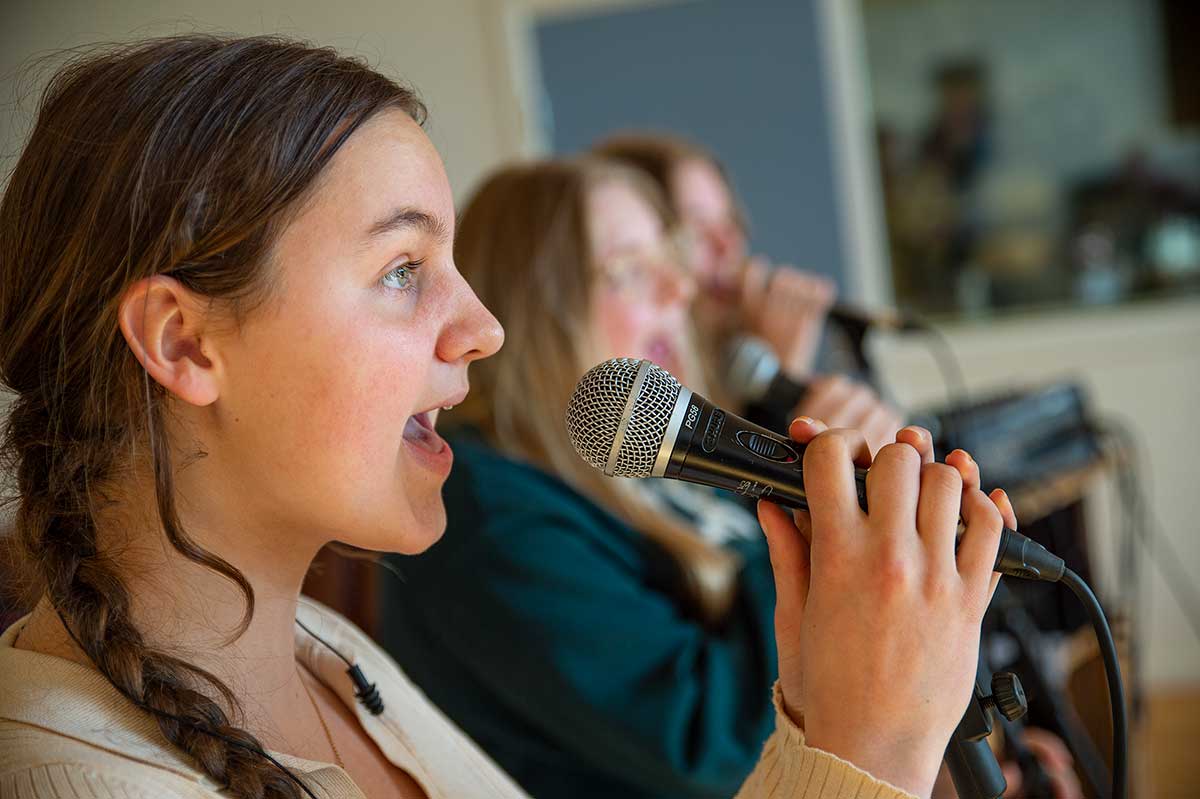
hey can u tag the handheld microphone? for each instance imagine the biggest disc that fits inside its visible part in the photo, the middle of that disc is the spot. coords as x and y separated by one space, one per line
753 375
631 418
754 379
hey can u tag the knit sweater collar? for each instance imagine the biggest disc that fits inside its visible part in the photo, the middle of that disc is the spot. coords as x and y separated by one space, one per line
74 700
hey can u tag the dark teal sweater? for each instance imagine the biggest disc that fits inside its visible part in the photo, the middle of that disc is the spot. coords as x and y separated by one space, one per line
547 629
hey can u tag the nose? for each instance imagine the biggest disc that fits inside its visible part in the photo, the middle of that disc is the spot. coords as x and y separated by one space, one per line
726 240
473 332
675 285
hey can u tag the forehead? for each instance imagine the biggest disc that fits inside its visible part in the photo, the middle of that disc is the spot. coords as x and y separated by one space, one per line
700 187
618 216
387 163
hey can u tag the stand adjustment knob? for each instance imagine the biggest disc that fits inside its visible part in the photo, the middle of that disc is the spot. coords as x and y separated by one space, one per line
1008 696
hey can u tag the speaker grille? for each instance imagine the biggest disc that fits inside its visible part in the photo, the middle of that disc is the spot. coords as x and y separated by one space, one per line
598 404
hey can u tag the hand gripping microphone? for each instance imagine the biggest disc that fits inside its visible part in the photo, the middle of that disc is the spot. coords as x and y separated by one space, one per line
632 418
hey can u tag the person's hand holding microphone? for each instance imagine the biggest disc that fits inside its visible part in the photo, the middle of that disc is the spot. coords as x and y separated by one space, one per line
878 617
786 307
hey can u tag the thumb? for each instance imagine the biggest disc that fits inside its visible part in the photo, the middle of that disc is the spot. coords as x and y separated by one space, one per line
789 551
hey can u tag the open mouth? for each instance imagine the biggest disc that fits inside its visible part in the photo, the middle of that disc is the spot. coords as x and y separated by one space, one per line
661 350
418 430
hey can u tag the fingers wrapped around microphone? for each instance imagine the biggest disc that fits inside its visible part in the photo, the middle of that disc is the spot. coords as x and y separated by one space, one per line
829 463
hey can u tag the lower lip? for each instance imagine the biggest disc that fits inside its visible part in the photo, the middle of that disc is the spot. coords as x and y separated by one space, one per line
662 354
430 450
725 291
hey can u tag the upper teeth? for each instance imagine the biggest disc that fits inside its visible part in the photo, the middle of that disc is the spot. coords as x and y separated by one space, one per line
447 407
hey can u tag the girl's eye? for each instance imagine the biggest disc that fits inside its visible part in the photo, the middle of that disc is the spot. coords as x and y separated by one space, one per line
401 278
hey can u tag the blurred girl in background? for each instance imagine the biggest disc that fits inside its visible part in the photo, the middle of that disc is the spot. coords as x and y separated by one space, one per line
740 294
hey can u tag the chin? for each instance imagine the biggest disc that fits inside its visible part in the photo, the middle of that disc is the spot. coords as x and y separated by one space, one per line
424 530
405 533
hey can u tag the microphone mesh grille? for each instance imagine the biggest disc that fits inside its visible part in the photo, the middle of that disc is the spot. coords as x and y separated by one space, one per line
598 404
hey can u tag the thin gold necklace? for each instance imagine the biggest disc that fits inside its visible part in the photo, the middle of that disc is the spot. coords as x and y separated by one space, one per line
321 718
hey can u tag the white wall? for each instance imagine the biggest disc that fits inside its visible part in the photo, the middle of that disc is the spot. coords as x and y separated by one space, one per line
1139 363
447 49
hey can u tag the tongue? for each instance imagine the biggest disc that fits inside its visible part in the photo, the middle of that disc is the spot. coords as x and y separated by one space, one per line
422 436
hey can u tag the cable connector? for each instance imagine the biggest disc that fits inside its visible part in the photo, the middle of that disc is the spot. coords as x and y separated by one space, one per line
1021 556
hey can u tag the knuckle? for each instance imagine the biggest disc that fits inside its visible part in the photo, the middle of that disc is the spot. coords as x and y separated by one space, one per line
995 520
828 446
984 511
894 573
901 457
941 478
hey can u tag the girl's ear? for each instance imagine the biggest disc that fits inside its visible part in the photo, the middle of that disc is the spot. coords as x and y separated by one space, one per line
162 322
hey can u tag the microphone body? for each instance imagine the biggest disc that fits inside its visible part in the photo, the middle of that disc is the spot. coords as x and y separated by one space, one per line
707 445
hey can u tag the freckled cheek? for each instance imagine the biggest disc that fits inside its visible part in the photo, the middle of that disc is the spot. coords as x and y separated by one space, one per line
361 395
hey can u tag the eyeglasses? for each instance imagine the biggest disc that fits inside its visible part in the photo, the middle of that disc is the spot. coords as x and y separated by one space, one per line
639 270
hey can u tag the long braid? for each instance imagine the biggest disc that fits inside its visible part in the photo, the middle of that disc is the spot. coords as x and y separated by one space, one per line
56 522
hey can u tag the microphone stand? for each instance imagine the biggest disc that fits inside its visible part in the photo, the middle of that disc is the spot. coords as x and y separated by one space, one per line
972 763
1015 620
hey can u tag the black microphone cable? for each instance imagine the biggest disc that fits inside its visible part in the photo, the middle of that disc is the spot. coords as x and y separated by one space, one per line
855 326
937 344
364 690
1112 675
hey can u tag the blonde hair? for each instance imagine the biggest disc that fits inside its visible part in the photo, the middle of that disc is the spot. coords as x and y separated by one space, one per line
524 245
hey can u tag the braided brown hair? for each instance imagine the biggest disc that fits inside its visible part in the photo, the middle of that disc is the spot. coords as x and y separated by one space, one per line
182 156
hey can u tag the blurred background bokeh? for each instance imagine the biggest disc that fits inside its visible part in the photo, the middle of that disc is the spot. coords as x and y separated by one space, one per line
1025 174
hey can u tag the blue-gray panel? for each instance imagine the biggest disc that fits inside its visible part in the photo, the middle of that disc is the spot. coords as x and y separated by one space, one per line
743 77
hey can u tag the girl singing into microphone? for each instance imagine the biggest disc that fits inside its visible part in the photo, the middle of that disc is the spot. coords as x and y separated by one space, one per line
229 314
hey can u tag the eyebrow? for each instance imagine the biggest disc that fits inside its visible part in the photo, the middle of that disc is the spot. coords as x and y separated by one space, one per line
405 218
